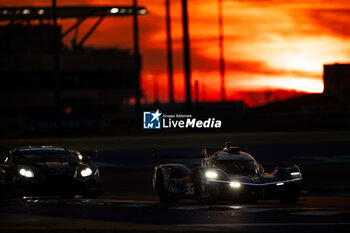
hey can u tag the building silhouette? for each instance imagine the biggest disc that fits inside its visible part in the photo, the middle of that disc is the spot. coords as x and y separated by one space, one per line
336 79
88 79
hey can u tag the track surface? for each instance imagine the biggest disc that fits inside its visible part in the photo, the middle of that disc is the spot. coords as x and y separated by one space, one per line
129 203
311 214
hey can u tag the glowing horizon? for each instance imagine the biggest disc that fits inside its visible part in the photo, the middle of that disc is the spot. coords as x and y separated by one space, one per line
269 44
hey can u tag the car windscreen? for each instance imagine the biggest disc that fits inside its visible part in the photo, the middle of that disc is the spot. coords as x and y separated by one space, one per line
237 167
44 157
179 172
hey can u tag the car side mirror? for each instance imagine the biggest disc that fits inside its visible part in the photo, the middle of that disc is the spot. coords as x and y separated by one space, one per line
245 149
261 169
192 165
89 155
86 159
2 158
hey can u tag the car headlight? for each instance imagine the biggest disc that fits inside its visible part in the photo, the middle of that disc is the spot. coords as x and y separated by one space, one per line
295 173
86 172
26 173
235 184
211 174
80 157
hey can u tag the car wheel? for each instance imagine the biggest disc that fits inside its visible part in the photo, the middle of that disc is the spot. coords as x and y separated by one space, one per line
162 192
289 198
68 196
15 195
90 196
199 194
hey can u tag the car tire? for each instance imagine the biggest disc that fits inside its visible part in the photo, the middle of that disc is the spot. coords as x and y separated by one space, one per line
163 196
290 198
15 195
90 196
198 191
68 196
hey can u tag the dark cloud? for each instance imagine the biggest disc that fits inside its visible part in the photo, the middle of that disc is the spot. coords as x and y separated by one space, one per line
334 21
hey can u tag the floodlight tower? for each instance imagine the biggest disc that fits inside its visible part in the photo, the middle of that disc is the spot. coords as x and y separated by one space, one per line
56 61
187 57
169 52
137 56
221 51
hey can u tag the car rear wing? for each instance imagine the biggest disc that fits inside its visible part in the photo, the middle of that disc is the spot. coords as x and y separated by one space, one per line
92 154
198 159
202 156
3 153
85 155
4 150
158 159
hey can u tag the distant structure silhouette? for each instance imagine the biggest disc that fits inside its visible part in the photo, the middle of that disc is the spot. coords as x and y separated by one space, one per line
336 79
91 80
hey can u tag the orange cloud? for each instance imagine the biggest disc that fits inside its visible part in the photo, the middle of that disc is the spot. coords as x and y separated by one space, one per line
269 44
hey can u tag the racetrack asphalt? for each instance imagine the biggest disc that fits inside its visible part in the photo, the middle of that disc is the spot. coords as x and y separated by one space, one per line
129 203
311 214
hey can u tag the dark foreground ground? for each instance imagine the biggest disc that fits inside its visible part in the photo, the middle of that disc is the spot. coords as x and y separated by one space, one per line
312 214
129 204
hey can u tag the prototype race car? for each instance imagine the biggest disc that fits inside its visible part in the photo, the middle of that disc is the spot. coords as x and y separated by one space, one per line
228 174
46 171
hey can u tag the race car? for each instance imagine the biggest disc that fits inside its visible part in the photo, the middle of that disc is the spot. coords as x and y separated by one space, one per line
48 171
230 174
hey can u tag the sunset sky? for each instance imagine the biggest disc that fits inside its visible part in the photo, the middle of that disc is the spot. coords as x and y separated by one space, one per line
269 44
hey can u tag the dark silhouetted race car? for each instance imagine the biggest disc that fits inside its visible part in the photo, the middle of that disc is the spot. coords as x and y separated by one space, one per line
228 174
46 171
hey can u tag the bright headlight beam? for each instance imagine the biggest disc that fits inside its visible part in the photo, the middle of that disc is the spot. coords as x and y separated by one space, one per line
295 173
86 172
279 184
26 12
235 184
22 172
114 10
26 173
211 174
143 11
